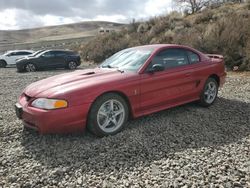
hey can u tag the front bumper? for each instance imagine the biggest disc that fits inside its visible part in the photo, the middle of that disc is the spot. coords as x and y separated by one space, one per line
67 120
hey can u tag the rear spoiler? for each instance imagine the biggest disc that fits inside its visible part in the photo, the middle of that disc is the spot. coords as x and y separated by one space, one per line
215 56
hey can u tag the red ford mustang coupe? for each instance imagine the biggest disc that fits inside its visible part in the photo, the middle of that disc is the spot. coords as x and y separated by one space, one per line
133 82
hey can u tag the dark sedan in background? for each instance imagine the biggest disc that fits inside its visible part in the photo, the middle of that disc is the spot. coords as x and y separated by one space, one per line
49 59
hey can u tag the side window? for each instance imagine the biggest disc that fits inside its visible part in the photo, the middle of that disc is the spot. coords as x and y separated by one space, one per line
19 53
59 53
70 53
171 58
193 57
27 53
23 53
12 54
48 54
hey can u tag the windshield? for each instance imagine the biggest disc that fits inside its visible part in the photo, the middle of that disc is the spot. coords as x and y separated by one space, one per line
36 53
6 53
127 60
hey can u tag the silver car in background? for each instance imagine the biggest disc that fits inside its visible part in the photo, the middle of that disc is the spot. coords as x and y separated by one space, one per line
10 57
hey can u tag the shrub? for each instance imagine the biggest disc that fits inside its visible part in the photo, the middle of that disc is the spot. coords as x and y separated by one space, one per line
142 28
205 16
104 46
248 4
228 34
159 28
175 16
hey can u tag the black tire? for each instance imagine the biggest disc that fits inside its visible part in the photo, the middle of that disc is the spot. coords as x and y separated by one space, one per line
20 70
3 64
93 125
72 65
30 67
205 100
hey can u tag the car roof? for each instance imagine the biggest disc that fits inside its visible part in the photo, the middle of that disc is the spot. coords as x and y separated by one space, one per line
61 50
10 51
158 46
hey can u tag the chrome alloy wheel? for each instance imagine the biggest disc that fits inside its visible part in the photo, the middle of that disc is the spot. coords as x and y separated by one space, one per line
210 92
111 116
72 65
30 67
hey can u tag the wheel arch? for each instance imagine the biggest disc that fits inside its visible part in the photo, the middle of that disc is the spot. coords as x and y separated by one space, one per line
216 77
121 94
4 61
29 62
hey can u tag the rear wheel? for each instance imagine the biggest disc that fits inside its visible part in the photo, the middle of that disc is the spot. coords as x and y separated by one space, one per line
30 67
3 64
209 93
108 115
72 65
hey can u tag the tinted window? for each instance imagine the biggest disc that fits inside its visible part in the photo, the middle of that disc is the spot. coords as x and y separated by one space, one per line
193 57
171 58
59 53
12 54
48 54
71 53
23 53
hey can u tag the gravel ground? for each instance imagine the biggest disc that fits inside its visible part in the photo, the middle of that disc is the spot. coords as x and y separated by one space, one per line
187 146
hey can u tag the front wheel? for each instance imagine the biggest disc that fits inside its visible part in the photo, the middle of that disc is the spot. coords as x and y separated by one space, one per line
3 64
108 115
30 67
209 93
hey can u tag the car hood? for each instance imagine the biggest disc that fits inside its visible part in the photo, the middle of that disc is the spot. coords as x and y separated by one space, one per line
64 83
25 58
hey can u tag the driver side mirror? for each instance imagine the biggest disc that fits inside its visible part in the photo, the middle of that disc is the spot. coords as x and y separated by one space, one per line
156 68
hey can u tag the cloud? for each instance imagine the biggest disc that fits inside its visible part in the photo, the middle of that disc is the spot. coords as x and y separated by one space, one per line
15 19
16 14
115 18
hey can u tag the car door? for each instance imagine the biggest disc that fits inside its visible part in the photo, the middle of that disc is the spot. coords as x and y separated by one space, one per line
11 58
170 87
59 59
47 59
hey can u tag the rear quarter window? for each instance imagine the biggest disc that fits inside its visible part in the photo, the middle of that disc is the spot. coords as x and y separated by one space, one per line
193 57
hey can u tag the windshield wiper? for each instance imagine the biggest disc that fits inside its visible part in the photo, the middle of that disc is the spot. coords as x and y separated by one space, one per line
121 71
107 66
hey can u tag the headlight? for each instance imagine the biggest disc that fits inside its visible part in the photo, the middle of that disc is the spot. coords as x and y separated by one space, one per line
49 104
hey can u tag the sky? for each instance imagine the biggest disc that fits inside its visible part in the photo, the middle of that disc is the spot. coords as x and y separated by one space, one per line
21 14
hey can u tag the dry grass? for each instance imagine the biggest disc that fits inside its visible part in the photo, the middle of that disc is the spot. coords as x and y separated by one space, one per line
47 35
223 30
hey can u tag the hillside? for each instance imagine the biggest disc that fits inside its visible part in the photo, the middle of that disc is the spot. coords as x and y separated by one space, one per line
223 29
53 34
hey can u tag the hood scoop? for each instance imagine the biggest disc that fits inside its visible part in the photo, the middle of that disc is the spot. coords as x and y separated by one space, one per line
88 73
